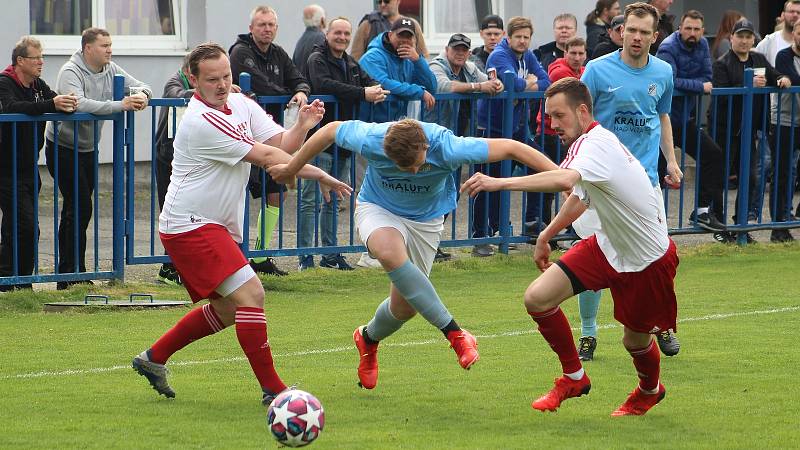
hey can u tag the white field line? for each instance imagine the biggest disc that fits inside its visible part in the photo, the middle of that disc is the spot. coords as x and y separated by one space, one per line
62 373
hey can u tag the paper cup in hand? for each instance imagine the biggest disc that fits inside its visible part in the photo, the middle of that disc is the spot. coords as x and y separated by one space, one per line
135 90
759 71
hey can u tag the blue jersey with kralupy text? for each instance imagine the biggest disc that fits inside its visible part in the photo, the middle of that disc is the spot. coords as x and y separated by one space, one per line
426 195
628 102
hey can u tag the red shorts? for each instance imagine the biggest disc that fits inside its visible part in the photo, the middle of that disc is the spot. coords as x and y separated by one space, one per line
643 301
204 257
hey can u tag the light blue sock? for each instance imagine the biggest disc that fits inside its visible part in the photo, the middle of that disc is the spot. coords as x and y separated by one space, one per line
418 290
588 303
384 324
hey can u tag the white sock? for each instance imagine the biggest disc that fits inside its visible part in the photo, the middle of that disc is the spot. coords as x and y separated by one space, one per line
649 391
702 210
575 375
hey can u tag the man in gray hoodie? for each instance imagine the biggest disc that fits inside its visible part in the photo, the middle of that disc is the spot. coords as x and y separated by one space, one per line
89 74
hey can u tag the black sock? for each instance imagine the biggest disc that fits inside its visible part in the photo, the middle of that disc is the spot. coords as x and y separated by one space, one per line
366 337
452 326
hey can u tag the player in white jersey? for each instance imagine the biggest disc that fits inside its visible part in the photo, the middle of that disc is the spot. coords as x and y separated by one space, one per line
631 252
220 136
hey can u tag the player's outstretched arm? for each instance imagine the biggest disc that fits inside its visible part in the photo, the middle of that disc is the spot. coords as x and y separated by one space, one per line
308 117
322 139
558 180
501 149
572 208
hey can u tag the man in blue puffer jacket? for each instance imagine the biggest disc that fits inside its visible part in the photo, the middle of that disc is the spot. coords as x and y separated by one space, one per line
686 50
511 55
392 60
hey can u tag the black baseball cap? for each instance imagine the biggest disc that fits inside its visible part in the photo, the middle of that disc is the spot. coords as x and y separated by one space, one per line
492 21
459 39
403 24
743 25
617 22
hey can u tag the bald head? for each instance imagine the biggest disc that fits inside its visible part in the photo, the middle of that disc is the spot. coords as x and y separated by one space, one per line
314 16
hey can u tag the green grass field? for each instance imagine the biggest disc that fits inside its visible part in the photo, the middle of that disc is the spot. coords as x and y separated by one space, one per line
66 380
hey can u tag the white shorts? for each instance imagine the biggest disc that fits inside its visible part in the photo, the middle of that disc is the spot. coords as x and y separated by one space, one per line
422 238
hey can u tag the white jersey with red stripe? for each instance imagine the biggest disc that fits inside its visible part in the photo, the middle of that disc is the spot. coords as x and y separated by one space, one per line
633 227
209 178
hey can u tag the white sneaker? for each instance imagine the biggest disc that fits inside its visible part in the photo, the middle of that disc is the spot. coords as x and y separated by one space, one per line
368 261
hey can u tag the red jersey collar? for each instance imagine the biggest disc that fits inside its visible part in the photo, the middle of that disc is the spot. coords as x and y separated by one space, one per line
224 109
588 129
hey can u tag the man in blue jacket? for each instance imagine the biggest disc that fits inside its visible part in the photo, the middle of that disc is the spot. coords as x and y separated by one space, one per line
393 61
686 50
511 55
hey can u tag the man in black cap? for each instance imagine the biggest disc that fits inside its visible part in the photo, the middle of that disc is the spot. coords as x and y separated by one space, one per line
393 61
491 33
612 41
454 73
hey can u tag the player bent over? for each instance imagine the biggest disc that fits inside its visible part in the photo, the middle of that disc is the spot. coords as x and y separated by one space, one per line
407 190
201 223
631 252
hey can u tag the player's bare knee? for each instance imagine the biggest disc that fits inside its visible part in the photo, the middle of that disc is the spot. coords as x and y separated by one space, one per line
535 300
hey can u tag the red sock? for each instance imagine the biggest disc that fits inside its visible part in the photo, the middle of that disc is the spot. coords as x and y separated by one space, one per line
554 326
648 365
251 329
197 324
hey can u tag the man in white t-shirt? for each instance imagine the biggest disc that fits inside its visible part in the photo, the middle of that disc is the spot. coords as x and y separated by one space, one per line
779 40
630 253
220 136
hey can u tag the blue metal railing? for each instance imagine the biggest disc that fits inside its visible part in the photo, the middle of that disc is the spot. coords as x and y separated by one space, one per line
128 220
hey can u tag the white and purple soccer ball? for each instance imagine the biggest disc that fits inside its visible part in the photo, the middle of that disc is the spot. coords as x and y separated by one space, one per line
295 418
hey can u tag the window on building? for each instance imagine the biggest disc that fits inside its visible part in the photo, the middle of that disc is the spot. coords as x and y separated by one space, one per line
136 26
442 18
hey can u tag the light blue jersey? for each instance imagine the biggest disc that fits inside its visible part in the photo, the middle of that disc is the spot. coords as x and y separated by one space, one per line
423 196
628 102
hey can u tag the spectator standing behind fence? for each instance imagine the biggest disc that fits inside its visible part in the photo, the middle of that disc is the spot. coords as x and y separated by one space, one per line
632 95
722 40
491 33
379 21
88 74
779 40
611 41
565 27
728 71
315 22
178 86
22 91
512 55
598 22
332 71
271 73
393 60
665 25
785 132
454 73
686 51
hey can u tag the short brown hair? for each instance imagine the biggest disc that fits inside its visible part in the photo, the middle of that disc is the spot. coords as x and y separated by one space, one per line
790 2
642 10
518 23
576 92
21 48
576 41
565 17
693 14
208 50
89 35
403 142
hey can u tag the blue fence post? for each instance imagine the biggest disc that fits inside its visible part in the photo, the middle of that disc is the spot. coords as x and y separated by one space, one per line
118 190
244 84
505 167
744 156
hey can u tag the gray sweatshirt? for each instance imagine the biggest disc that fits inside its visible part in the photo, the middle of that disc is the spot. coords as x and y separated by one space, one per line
95 92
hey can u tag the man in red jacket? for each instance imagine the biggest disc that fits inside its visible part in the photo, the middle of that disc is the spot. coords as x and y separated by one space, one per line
22 91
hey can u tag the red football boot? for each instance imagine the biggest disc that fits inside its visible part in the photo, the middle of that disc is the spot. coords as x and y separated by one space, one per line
565 387
368 360
639 402
466 347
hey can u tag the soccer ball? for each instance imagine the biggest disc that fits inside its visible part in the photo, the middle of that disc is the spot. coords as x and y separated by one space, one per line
295 418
